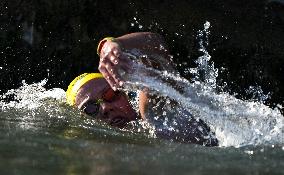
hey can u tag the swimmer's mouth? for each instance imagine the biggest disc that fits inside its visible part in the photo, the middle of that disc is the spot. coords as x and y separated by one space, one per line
118 122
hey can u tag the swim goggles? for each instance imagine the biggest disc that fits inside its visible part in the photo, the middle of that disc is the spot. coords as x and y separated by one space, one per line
92 107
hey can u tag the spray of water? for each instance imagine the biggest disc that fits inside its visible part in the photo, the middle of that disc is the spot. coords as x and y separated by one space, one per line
31 106
31 96
205 71
234 121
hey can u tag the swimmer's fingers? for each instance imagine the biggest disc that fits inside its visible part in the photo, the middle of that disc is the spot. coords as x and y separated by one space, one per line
116 55
118 71
109 78
115 63
107 64
111 50
125 63
110 72
113 72
118 80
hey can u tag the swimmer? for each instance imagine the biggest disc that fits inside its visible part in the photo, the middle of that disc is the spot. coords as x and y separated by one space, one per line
97 94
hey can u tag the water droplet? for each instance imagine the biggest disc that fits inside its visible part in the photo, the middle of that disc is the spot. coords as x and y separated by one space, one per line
249 152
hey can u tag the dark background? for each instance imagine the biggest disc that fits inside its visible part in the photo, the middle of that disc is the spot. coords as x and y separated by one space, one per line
58 39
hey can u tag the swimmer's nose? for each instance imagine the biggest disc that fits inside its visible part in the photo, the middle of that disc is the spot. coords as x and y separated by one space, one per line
109 109
106 109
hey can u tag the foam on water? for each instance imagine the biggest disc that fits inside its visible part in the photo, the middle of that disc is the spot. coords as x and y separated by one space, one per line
31 106
31 96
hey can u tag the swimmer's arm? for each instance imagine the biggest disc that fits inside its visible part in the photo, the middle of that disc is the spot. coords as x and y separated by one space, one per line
154 46
146 42
150 44
113 57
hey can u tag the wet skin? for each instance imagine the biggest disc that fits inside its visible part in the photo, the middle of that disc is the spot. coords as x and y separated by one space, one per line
115 111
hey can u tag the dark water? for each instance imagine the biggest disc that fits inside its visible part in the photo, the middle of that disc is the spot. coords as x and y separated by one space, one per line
26 152
63 149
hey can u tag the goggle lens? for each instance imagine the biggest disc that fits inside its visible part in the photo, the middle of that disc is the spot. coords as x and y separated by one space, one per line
92 107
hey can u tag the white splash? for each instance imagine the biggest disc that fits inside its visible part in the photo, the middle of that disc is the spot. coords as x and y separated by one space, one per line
31 96
234 121
205 71
30 107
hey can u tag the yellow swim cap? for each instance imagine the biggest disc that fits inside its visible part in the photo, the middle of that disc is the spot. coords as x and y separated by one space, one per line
77 83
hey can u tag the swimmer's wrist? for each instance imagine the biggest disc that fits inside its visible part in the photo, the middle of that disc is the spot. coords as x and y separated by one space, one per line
104 41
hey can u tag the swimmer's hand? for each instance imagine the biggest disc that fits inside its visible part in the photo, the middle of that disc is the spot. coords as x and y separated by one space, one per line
112 62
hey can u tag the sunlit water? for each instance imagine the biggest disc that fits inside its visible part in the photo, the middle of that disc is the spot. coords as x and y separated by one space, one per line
41 134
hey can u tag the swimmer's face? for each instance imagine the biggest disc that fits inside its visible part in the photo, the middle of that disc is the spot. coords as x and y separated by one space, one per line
97 99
